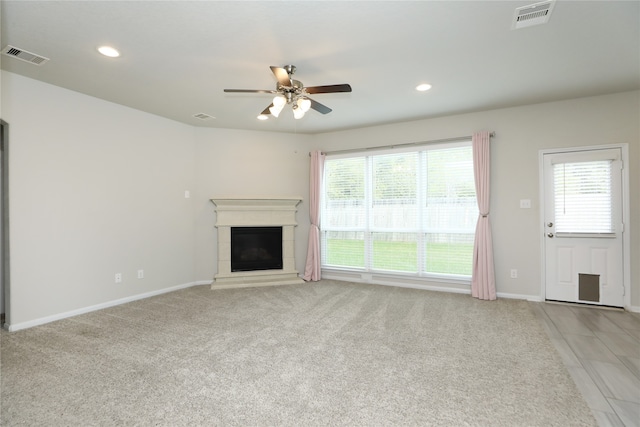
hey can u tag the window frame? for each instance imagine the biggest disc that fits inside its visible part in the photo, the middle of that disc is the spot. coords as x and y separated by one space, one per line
570 226
369 229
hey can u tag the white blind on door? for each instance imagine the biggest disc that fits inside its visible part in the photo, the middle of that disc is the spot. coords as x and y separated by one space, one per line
582 195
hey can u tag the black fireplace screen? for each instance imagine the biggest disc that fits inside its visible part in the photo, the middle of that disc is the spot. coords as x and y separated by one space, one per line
256 248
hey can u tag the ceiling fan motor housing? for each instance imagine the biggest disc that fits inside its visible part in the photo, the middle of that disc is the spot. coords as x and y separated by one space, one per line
291 92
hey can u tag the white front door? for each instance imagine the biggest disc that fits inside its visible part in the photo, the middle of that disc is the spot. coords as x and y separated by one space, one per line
583 226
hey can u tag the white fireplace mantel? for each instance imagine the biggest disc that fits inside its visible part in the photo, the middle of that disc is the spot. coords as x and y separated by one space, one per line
255 212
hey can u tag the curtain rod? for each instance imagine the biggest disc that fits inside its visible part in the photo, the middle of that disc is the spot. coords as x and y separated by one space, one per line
407 144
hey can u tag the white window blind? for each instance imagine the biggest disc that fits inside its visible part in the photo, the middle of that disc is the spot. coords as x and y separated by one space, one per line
344 212
582 197
411 212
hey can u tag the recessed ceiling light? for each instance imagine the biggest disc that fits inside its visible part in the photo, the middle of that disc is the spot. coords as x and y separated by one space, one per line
263 117
423 87
108 51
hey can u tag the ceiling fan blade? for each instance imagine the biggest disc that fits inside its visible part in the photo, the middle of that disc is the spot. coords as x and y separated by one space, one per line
283 77
249 91
266 110
329 89
320 108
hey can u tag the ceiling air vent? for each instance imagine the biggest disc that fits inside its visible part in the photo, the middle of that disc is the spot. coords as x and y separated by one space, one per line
203 116
23 55
534 14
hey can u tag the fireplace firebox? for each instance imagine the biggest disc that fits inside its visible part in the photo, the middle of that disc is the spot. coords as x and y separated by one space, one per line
256 248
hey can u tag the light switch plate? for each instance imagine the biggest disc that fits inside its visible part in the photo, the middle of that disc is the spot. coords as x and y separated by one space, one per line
525 203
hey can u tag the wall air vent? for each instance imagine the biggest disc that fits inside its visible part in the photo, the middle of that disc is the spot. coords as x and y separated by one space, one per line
534 14
203 116
24 55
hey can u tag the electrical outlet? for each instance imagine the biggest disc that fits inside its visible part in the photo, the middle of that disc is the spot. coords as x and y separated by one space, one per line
514 273
140 274
118 277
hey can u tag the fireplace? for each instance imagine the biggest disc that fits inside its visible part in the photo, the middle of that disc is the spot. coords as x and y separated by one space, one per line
256 242
256 248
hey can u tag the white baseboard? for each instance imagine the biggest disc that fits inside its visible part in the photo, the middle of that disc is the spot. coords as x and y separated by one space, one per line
422 287
532 298
48 319
452 286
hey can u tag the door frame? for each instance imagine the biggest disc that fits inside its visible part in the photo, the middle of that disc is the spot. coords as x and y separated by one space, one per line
4 223
626 214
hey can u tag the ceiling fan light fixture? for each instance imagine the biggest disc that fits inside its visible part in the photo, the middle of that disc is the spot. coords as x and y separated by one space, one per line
298 113
275 112
304 104
279 101
263 117
423 87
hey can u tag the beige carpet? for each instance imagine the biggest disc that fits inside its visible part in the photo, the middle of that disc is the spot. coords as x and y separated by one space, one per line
326 353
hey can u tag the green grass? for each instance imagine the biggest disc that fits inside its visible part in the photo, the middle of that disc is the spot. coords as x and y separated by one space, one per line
446 258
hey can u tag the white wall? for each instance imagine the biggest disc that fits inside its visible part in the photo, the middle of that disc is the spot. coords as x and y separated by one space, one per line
248 164
520 134
96 189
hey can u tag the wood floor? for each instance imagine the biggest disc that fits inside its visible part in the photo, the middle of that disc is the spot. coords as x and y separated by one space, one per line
601 349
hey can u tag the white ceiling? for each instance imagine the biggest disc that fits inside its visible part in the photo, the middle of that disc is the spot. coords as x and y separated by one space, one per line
178 56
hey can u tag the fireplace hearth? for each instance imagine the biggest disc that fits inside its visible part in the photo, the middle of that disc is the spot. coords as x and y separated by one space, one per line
256 244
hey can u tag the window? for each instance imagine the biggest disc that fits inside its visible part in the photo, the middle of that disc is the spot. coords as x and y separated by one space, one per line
409 212
583 199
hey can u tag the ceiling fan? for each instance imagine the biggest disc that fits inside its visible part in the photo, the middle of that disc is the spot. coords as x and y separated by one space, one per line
290 91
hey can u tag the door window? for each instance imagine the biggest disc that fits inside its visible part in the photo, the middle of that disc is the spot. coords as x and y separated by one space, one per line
582 197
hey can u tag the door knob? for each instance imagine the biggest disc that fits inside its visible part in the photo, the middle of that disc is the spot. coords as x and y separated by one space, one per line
549 234
549 224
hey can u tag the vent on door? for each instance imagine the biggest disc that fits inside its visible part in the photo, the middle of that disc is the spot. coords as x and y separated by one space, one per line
534 14
23 55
